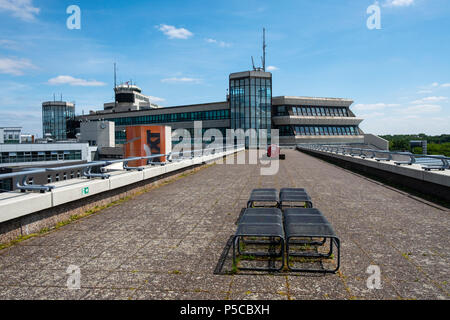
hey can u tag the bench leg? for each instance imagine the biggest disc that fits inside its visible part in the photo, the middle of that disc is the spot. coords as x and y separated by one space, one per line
333 240
236 241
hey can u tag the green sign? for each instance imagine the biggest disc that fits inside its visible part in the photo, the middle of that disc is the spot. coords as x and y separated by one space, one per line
85 191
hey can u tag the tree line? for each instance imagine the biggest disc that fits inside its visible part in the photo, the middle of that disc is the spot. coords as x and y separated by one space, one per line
437 145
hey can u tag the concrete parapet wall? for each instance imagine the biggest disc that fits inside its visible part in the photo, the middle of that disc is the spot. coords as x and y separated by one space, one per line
376 141
22 214
432 183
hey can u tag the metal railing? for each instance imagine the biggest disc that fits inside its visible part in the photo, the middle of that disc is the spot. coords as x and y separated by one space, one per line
428 162
87 168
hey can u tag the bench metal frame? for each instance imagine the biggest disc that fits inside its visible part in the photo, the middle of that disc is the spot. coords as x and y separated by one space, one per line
263 195
281 254
291 195
333 240
309 215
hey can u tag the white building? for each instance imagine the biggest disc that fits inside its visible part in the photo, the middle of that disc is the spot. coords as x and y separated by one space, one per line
97 133
129 97
38 154
10 134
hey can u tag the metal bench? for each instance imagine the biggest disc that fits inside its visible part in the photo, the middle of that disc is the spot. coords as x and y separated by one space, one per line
289 214
295 195
260 230
267 197
301 223
260 216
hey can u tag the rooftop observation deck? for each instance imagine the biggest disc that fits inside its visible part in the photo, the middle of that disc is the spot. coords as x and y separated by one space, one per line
171 242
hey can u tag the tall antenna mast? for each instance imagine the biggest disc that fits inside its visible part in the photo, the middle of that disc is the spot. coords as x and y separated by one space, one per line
115 77
264 49
115 86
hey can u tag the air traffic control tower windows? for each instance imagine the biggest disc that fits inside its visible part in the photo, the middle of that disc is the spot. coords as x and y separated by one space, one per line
251 100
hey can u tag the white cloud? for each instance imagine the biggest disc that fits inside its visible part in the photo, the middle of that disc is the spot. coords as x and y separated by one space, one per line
398 3
374 106
9 44
371 115
180 80
22 9
424 108
15 67
174 33
156 99
445 85
424 91
272 68
429 100
60 80
221 44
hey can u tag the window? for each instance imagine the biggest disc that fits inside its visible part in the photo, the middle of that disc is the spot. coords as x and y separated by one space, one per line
330 131
316 131
347 131
322 111
302 131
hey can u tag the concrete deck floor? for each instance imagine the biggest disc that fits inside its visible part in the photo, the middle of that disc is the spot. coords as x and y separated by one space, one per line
167 243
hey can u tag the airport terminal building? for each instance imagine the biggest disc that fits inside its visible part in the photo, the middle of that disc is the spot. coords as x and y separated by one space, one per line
249 104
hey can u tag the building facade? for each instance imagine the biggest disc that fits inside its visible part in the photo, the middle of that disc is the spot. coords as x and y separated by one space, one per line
58 120
315 120
250 105
250 100
97 133
129 97
14 155
10 135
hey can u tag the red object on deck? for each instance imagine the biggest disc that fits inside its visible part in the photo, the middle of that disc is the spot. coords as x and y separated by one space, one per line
273 151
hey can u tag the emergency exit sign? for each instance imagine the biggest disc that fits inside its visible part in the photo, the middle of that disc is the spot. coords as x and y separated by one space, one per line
85 191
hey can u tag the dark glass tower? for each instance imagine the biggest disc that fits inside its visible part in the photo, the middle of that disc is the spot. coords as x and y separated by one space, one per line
251 100
56 119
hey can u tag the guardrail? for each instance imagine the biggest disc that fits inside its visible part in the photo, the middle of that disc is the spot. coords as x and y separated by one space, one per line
87 168
428 162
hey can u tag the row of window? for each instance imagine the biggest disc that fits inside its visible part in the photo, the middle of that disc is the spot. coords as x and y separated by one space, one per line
251 82
250 103
17 157
54 120
318 130
174 117
121 136
311 111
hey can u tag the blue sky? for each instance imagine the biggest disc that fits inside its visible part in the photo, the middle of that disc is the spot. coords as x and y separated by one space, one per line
181 52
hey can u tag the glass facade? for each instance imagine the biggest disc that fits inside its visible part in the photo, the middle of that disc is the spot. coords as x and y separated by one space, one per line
308 111
172 117
251 103
318 130
55 119
36 156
